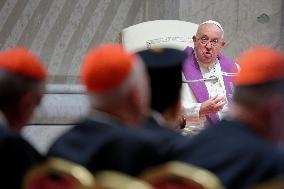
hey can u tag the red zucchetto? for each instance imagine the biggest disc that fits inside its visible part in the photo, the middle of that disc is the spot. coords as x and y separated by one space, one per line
22 62
260 65
106 67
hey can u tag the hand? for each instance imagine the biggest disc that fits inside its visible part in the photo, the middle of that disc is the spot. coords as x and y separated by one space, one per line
212 105
182 122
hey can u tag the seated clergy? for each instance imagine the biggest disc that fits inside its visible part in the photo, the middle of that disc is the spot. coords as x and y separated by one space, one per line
117 84
22 85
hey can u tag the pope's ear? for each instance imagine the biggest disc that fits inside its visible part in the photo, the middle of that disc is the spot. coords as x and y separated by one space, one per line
194 38
223 43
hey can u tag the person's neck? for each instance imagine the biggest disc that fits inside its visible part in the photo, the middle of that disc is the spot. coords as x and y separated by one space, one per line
120 114
250 117
207 65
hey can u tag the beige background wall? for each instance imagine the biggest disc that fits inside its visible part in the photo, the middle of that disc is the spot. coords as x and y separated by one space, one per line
61 32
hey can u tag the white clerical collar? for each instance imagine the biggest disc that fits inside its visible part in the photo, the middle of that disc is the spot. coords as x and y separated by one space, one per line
3 120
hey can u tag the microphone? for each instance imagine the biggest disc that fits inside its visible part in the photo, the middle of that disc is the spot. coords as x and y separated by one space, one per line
230 74
212 78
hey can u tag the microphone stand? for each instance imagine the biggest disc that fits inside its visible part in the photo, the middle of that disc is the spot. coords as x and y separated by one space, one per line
212 78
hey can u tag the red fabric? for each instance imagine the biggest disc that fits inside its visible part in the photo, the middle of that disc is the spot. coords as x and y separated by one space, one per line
48 182
22 62
260 65
105 67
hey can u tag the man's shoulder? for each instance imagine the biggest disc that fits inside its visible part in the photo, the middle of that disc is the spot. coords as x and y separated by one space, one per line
8 134
224 59
13 145
88 128
100 131
230 140
229 129
189 50
236 135
93 126
162 130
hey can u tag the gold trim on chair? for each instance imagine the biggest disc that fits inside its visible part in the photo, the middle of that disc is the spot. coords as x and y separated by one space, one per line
183 172
117 180
158 34
63 169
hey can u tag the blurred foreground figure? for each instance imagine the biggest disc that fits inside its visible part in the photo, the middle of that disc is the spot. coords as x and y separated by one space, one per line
119 95
242 148
164 67
22 85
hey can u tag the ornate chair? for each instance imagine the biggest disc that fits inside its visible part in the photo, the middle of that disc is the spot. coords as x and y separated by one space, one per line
58 174
116 180
158 33
177 175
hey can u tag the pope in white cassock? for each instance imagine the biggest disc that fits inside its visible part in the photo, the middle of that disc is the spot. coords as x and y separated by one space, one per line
206 101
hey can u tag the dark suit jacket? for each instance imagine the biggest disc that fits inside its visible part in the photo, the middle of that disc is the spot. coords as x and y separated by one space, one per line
174 139
235 154
230 150
110 145
17 156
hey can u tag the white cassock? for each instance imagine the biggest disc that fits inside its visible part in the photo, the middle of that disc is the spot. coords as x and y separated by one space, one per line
190 107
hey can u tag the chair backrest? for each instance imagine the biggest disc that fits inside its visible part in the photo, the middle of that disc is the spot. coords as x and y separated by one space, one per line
58 174
116 180
158 33
177 175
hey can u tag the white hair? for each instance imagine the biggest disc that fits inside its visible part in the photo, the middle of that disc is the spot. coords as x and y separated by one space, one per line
213 22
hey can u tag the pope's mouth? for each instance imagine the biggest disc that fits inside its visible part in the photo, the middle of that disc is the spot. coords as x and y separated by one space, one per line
207 54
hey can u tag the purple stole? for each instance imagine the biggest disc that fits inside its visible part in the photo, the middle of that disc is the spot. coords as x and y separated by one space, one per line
192 71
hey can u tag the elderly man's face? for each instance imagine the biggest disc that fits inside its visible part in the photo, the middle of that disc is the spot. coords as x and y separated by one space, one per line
208 43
